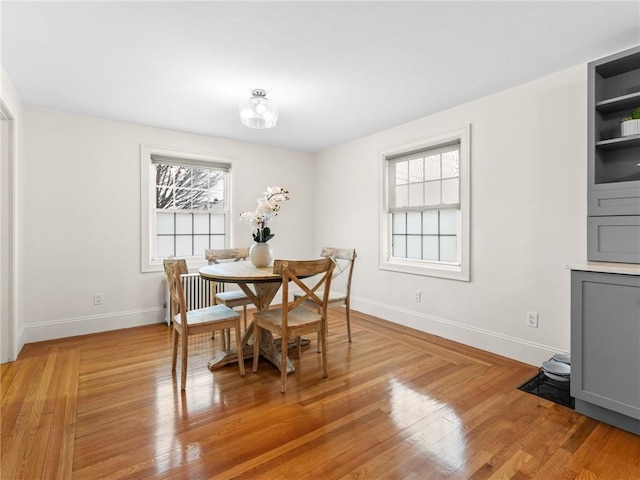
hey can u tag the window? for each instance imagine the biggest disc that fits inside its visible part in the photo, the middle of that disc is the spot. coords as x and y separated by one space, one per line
185 206
425 208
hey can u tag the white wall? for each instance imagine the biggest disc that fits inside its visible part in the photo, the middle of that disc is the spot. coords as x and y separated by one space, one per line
82 217
528 219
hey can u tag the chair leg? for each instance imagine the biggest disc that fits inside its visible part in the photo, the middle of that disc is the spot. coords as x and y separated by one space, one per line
256 345
174 356
325 368
213 296
185 355
244 316
283 363
239 349
348 309
319 339
226 333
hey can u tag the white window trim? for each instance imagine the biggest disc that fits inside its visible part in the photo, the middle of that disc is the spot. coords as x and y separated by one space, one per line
422 267
147 219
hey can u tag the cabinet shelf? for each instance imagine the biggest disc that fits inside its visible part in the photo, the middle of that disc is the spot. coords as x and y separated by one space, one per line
630 101
613 169
618 143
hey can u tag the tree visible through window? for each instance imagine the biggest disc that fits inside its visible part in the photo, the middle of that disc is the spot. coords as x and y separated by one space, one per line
190 209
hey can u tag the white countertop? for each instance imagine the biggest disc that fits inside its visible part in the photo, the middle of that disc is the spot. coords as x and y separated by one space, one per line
604 267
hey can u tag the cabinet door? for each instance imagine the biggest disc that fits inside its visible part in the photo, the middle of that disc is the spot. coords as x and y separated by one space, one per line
605 341
614 239
614 199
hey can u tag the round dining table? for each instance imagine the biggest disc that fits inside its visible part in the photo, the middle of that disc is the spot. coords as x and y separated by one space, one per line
260 285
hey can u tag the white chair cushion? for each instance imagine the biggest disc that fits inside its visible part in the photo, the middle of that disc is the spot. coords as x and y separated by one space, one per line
208 314
232 295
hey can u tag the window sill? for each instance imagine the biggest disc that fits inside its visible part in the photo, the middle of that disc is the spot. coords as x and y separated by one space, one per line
193 263
451 272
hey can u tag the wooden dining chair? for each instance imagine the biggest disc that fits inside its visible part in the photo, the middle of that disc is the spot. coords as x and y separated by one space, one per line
294 319
344 259
191 322
234 298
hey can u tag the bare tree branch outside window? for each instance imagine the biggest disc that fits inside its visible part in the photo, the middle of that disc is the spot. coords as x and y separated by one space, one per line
188 188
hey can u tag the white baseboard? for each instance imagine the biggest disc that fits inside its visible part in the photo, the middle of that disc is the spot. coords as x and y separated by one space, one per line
69 327
505 345
511 347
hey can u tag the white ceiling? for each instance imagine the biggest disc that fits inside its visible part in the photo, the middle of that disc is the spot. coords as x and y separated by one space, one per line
337 70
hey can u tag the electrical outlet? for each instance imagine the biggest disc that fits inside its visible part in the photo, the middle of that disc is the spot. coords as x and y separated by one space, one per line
532 319
97 298
418 294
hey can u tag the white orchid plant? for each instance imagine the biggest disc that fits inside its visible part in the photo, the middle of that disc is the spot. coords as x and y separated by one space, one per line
268 207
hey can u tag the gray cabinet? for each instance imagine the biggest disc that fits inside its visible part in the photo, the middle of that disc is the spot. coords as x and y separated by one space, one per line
614 161
617 238
605 347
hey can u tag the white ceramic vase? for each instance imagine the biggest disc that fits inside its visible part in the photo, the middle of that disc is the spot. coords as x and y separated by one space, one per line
260 254
630 127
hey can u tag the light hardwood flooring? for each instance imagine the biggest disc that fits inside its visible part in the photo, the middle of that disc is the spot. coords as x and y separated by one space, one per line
398 404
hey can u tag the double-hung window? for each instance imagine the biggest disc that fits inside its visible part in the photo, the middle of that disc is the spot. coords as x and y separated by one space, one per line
185 206
425 211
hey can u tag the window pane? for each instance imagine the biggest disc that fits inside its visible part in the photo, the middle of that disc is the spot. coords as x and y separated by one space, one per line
183 223
217 241
200 199
216 180
450 191
184 246
449 222
399 246
432 167
448 249
164 223
414 247
399 223
432 193
430 222
164 197
164 247
451 164
201 223
182 177
416 194
402 196
416 170
200 178
200 244
217 224
216 199
164 175
402 173
182 199
414 223
430 248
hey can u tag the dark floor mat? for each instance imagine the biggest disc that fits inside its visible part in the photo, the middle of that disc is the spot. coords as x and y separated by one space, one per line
549 389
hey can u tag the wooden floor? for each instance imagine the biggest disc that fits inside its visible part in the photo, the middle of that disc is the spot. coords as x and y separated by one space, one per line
398 404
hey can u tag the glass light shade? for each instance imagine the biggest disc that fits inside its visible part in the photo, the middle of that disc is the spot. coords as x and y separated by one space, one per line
258 111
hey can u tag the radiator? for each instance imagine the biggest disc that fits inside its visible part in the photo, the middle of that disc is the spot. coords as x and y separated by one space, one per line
197 293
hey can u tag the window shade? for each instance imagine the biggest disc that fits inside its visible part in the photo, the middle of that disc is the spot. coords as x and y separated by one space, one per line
183 162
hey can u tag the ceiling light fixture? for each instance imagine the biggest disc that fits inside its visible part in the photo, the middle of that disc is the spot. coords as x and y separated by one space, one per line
258 111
